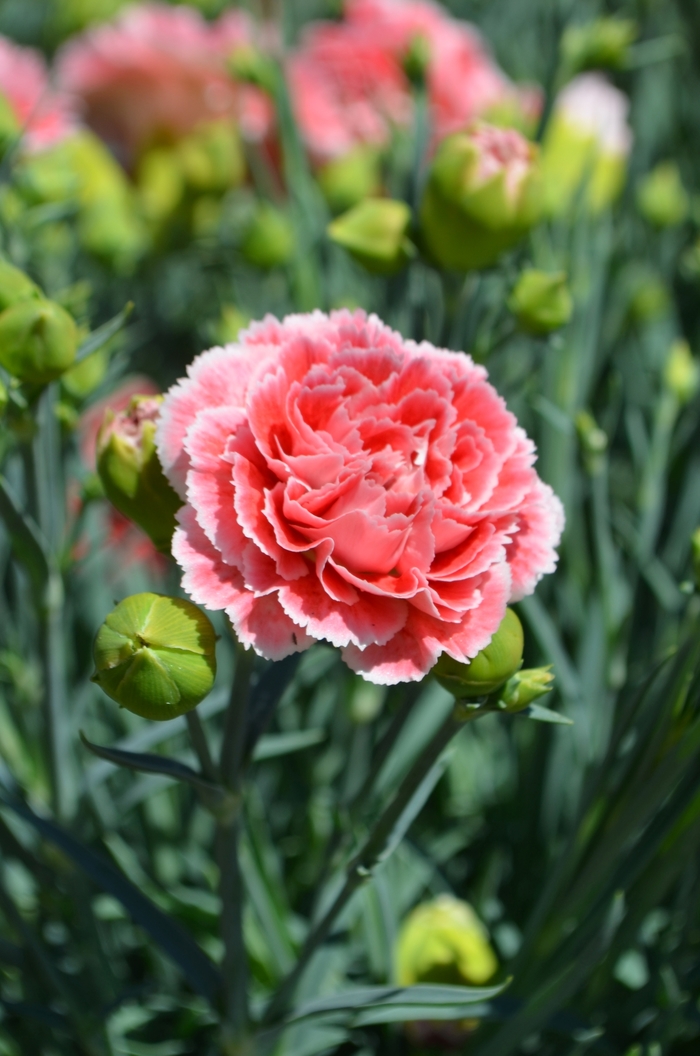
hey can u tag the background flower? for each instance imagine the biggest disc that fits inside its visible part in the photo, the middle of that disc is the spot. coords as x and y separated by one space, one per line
43 116
157 72
344 484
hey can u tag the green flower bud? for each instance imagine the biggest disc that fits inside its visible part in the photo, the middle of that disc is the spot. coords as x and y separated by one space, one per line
593 440
155 656
649 298
250 65
526 686
417 58
4 397
374 232
681 374
160 184
490 668
601 44
482 196
444 942
661 196
15 286
541 301
111 230
269 240
211 158
231 321
85 376
131 474
695 556
38 340
348 180
9 125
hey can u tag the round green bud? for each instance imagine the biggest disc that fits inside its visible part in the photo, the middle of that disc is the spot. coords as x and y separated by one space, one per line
252 66
603 43
541 301
269 240
160 184
374 232
156 656
490 668
15 286
211 158
525 687
681 374
417 57
444 942
38 340
661 196
131 474
348 180
482 195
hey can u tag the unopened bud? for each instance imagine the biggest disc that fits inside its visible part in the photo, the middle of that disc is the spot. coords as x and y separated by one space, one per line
160 183
9 125
230 323
526 686
482 196
374 232
269 240
695 555
211 158
15 286
444 942
541 301
131 474
661 196
490 668
681 375
417 58
155 656
593 439
601 44
38 340
348 180
252 66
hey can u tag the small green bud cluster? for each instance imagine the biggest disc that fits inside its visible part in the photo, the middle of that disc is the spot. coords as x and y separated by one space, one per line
156 656
38 338
525 687
131 474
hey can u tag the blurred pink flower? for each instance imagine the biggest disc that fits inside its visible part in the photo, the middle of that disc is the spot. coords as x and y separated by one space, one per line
343 484
44 116
156 72
349 86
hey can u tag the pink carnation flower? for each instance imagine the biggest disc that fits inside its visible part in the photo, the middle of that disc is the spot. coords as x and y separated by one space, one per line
343 484
157 72
43 116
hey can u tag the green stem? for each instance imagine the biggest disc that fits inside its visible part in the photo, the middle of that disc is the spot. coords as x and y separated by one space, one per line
235 967
201 746
360 867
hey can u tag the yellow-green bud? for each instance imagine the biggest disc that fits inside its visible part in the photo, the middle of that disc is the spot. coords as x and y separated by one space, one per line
541 301
127 462
269 240
9 125
417 58
160 183
231 321
649 299
661 196
526 686
4 397
444 942
601 44
111 229
155 656
248 64
681 374
15 286
374 232
211 158
86 375
482 196
38 340
490 668
348 180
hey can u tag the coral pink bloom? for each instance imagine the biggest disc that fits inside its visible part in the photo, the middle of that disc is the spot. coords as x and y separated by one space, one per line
43 116
343 484
157 72
463 81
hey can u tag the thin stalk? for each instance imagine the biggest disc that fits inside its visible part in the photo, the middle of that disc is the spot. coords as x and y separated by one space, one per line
235 967
46 478
653 487
360 867
201 746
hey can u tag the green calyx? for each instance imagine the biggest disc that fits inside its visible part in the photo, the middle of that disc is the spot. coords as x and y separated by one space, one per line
468 222
156 656
490 668
269 239
38 340
131 474
15 286
661 197
525 687
541 301
348 180
375 233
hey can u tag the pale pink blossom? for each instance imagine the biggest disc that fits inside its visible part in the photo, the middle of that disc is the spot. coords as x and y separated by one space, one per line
501 150
597 108
44 117
156 72
345 485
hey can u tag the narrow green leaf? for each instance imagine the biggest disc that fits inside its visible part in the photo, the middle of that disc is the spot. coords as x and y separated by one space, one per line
26 538
149 763
98 338
276 744
174 941
536 711
428 999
